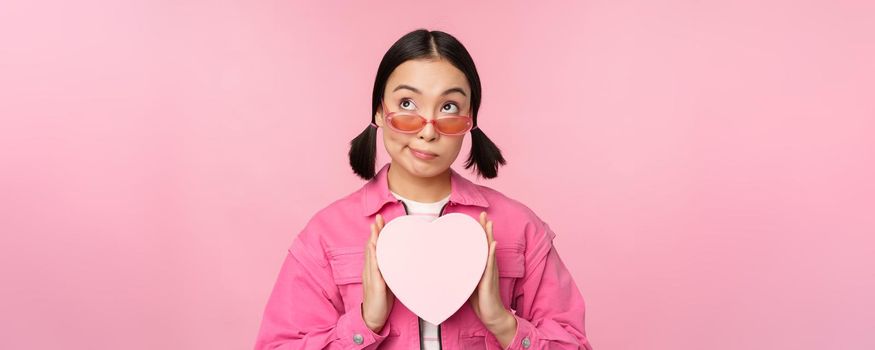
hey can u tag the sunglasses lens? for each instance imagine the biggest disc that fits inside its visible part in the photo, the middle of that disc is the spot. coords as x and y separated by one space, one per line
452 125
407 122
414 123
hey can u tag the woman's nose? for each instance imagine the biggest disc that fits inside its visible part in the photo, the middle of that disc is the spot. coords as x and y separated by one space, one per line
428 132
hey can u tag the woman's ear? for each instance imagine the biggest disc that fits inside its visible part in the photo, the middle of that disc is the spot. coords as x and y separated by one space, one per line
378 117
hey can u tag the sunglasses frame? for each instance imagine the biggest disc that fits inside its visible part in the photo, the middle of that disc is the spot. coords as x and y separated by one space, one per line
388 117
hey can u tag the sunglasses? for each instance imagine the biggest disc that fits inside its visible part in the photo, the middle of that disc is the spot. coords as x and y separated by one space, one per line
410 123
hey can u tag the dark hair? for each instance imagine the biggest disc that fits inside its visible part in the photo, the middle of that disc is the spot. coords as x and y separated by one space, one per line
419 44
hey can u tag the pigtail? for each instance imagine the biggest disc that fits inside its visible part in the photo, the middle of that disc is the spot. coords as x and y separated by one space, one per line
363 152
484 154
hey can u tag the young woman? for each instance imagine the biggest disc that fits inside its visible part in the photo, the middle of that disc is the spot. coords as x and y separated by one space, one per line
330 293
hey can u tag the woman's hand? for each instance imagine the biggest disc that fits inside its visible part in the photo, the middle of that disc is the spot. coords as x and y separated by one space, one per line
486 300
377 299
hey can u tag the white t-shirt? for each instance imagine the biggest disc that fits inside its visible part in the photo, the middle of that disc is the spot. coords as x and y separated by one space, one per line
429 336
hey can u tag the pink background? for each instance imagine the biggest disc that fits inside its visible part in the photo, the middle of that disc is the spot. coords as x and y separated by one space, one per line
707 166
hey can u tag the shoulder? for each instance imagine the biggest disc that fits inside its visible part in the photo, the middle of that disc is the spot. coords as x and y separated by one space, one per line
348 206
329 223
512 210
502 202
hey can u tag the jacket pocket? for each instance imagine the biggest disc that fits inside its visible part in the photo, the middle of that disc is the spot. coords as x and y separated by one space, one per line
511 261
347 264
346 268
472 339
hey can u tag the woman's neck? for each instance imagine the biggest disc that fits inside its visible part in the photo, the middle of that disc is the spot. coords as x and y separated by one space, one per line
419 189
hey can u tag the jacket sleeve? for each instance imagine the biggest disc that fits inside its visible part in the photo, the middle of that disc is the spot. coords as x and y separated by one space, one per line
305 311
549 306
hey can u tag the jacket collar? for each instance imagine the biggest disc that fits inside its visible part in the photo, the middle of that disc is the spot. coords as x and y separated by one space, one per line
377 194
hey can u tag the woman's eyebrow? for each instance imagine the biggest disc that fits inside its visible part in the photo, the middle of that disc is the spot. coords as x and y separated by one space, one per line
449 91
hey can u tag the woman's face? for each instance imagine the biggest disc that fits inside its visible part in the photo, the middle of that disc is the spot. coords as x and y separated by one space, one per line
430 88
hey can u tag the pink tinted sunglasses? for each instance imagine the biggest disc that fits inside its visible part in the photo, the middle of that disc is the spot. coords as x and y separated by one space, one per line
411 123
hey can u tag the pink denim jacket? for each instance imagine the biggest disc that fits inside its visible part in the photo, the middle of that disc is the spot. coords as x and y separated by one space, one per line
316 301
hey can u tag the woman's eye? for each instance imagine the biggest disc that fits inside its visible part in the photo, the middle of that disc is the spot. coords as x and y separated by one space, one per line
407 104
450 110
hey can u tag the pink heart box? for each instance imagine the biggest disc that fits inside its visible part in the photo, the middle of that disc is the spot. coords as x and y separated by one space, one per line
432 267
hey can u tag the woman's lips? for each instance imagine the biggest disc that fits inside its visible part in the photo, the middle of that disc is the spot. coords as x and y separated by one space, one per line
422 155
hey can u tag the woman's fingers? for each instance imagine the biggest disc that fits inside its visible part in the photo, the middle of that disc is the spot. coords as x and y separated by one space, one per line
373 238
376 227
487 226
494 265
373 248
376 296
490 261
366 273
491 271
374 272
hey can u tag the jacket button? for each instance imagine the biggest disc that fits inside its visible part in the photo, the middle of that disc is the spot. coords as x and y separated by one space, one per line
526 342
358 339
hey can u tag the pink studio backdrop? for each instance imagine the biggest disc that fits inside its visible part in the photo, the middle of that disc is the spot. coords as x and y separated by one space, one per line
707 166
